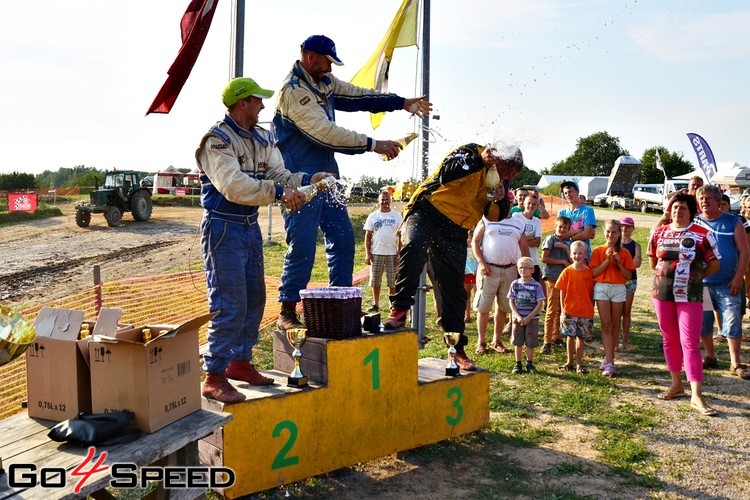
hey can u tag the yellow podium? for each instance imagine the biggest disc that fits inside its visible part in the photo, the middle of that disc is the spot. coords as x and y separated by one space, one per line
369 396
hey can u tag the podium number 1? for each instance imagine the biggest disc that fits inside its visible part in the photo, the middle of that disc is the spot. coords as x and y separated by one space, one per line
374 358
282 460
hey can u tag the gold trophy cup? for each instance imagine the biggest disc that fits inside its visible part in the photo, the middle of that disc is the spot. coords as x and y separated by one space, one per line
297 338
452 338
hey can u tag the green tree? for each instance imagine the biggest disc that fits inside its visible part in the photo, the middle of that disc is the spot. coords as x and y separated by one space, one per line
674 164
594 155
376 183
16 180
526 177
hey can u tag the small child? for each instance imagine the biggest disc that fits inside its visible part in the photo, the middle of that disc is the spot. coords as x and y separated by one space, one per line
470 276
612 266
526 298
576 286
555 257
632 246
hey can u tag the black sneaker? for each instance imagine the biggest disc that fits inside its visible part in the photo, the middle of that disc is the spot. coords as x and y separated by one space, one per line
530 367
373 309
287 320
547 349
518 369
558 342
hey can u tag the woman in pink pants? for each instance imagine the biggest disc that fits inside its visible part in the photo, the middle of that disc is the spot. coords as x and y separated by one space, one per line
678 253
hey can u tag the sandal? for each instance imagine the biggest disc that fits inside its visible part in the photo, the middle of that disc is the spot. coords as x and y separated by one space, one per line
581 369
499 348
481 348
566 368
670 395
704 409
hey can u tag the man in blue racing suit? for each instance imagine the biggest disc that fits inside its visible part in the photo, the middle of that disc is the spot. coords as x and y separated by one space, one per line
240 169
308 137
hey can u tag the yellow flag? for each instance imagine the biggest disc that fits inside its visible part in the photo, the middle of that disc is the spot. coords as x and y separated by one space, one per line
401 33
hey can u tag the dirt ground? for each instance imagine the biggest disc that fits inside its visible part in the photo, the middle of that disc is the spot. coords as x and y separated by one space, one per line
47 259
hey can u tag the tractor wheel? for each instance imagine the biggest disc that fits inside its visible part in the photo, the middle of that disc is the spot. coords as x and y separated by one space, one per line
113 216
140 204
83 218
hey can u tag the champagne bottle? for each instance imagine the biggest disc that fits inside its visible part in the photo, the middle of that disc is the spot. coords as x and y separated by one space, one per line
492 180
311 190
146 335
404 141
85 332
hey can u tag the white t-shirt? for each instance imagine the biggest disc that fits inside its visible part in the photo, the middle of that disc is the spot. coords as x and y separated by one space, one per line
384 226
532 228
500 240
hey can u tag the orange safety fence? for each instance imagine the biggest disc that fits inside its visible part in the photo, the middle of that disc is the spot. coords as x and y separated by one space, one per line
167 298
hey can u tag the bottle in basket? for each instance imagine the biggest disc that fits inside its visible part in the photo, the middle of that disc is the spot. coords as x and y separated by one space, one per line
404 141
311 190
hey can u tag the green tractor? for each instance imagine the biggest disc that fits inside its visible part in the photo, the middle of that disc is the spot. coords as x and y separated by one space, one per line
121 192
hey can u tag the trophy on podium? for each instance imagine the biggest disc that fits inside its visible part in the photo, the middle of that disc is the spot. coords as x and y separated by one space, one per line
452 338
297 338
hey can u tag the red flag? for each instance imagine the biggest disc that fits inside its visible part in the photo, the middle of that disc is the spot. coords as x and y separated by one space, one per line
194 27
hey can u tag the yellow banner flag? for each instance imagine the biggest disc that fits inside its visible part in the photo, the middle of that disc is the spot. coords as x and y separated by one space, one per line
401 33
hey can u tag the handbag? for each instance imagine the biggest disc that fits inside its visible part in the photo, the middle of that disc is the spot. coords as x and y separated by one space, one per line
96 428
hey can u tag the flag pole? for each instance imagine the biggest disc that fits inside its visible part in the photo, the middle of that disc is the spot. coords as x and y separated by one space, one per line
237 56
420 298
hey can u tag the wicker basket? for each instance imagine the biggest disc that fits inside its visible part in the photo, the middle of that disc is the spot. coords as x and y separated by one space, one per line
332 317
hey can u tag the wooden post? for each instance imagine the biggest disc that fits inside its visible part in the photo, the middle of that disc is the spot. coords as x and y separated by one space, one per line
97 288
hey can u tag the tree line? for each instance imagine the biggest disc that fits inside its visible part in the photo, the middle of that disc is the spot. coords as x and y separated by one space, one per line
594 155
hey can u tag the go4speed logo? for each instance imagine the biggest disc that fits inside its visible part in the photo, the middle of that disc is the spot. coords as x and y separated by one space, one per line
122 475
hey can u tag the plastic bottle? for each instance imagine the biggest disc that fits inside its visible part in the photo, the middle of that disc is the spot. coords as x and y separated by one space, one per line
404 141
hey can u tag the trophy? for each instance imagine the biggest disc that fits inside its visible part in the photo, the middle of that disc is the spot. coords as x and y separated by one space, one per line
297 338
452 338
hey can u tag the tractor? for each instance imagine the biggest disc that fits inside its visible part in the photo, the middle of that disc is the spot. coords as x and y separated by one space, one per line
120 192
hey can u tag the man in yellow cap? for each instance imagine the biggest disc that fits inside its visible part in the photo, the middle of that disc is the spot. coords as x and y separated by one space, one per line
240 169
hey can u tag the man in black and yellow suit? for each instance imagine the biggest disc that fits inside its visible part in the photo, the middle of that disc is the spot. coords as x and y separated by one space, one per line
444 207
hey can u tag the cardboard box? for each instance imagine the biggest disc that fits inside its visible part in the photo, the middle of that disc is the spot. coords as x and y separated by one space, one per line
158 380
57 371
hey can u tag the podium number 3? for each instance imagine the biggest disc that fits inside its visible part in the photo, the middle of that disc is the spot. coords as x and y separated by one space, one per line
282 460
457 395
374 358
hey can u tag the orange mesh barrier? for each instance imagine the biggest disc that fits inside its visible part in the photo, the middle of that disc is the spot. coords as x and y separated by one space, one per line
167 298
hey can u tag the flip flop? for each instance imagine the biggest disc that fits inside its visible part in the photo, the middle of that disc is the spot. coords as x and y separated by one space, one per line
481 348
499 348
706 411
670 395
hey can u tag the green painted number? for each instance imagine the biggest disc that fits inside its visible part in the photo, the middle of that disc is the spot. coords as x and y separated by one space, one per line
374 358
281 459
455 392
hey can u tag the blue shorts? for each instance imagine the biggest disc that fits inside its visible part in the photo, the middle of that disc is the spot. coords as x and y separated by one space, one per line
631 286
729 308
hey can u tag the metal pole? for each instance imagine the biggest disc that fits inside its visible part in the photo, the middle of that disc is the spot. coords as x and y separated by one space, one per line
237 56
420 298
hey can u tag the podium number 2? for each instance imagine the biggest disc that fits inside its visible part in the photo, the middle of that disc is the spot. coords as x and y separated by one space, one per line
457 395
374 358
282 460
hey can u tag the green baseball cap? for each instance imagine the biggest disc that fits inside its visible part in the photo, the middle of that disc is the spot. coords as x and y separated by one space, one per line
242 88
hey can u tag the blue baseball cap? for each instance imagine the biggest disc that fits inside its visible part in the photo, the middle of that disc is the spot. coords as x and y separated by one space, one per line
322 45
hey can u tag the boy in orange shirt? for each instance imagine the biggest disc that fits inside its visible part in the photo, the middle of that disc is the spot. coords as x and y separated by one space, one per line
576 285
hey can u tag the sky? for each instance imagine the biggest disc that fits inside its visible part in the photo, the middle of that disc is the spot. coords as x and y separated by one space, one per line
78 76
